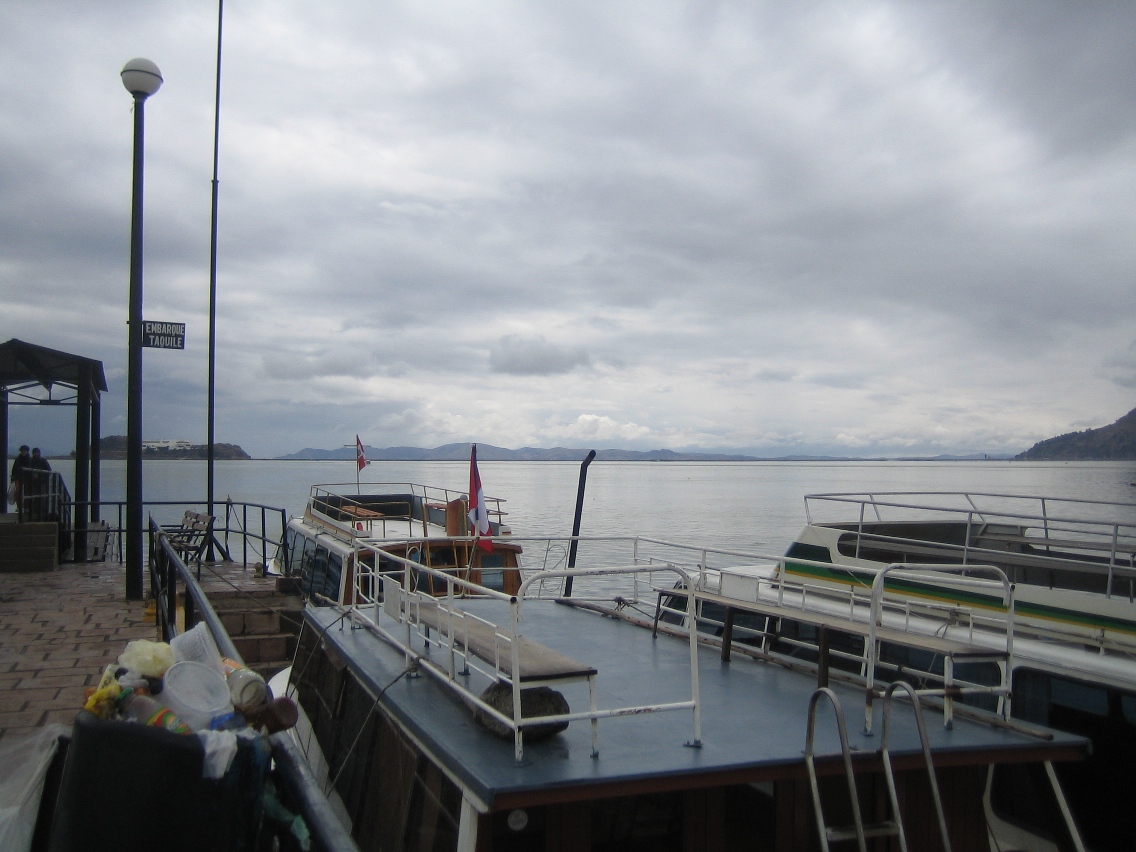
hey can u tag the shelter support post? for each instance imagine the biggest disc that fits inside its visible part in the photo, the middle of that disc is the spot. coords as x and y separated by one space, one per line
82 465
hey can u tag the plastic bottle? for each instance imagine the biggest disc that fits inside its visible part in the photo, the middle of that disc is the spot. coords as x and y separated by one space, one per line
142 708
247 689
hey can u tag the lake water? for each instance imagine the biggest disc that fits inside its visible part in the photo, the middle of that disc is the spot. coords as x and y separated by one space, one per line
750 505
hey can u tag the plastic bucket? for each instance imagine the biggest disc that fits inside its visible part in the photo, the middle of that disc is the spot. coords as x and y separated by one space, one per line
196 693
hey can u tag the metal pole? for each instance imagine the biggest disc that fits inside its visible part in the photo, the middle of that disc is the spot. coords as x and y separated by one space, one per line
134 585
576 520
213 276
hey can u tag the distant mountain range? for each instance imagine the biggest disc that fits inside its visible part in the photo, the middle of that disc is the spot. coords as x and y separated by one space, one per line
1116 442
487 452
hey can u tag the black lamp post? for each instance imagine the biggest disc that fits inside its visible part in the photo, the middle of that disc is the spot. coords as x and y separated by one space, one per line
141 78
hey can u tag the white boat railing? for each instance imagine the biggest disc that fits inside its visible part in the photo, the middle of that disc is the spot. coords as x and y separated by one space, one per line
390 509
949 633
1097 536
949 689
388 601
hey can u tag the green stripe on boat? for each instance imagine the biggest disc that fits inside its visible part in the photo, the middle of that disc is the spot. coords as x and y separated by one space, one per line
844 575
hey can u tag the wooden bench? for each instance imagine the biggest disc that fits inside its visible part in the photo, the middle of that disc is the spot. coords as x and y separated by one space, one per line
538 663
359 512
192 537
461 633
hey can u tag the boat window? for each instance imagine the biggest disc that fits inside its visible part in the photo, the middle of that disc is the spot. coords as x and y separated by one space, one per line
1128 708
319 572
334 573
1078 696
294 546
306 560
1038 695
492 575
812 552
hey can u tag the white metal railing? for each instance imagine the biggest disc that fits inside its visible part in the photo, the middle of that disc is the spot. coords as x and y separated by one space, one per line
949 689
404 616
389 602
1085 535
356 502
987 626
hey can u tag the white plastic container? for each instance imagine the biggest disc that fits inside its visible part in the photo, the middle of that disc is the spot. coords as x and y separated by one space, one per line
195 692
197 645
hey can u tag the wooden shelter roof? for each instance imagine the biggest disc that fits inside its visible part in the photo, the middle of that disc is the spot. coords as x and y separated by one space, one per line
24 364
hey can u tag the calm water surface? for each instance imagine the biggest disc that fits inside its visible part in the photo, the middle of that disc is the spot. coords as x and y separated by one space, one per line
734 504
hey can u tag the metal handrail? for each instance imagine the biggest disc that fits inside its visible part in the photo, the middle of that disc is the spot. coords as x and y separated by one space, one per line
1046 519
913 569
266 534
166 567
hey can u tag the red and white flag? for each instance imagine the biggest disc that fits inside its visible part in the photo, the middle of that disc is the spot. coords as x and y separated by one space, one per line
360 457
478 514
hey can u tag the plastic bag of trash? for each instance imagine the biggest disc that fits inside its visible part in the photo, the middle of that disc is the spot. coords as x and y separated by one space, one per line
147 658
25 761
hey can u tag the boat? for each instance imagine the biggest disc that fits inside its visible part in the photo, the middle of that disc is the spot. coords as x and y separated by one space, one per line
1072 565
1073 561
428 525
545 704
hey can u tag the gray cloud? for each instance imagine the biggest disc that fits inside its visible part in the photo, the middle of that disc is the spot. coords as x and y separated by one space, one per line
753 224
535 356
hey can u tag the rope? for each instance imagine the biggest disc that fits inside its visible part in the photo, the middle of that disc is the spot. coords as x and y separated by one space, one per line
413 667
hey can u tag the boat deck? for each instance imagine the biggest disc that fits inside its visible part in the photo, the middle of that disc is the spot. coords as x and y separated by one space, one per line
60 629
753 716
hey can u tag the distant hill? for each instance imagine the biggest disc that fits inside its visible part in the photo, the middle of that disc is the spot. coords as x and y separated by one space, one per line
114 447
487 452
1116 442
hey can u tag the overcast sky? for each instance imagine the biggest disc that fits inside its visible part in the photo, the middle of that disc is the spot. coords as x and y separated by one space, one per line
777 228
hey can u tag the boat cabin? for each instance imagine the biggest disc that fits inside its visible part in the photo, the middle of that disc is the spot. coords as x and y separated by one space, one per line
428 526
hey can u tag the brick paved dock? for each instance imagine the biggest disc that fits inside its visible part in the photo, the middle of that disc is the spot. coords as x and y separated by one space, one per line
60 629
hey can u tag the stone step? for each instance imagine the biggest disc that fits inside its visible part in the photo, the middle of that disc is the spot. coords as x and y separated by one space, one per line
260 622
29 547
19 560
34 537
263 649
243 601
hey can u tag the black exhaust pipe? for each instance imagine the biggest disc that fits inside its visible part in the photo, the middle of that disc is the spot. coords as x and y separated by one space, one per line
576 521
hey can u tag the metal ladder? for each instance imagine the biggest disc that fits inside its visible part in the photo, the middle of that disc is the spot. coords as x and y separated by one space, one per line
858 831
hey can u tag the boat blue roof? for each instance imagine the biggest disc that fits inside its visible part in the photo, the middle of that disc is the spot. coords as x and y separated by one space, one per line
754 715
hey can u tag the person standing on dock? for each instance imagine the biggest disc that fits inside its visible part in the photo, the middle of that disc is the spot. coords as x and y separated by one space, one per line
19 465
35 487
38 462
